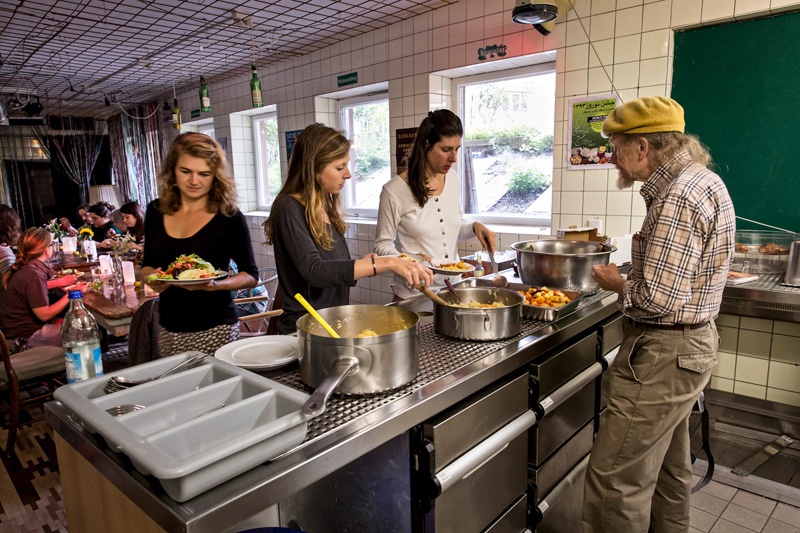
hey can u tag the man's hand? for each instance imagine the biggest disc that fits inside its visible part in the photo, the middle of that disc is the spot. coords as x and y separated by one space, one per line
609 278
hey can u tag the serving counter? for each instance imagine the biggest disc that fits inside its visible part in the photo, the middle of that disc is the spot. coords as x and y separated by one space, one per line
450 371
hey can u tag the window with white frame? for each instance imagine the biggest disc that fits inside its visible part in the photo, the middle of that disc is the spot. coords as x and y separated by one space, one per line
208 129
266 152
506 159
365 122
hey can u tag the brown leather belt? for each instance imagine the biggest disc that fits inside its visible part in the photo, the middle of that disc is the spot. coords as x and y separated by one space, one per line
672 327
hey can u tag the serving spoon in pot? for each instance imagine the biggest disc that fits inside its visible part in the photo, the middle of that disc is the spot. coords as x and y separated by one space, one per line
453 290
498 280
317 317
430 294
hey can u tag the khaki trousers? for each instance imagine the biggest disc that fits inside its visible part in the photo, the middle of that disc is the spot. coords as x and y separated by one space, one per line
639 472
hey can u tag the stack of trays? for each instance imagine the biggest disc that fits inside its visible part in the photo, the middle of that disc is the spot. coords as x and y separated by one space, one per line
199 427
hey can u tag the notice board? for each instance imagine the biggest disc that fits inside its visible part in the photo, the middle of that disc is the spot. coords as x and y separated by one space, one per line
739 85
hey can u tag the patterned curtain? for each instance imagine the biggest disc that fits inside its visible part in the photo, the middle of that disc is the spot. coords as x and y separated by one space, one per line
136 151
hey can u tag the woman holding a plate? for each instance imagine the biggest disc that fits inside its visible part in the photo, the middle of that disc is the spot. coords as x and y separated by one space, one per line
307 230
196 213
421 208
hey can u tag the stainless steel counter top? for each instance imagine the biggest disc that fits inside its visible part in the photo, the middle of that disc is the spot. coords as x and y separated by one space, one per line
450 370
765 297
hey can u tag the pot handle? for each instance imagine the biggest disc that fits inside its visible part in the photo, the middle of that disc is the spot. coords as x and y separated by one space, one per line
342 367
487 320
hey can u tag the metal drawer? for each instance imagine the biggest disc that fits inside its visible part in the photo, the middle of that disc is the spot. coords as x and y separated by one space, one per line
557 427
466 424
610 333
544 477
513 520
559 366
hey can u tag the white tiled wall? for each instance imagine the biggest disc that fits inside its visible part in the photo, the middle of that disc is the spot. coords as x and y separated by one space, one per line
628 41
758 358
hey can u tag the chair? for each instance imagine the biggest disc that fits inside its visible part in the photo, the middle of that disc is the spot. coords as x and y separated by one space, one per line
254 324
34 372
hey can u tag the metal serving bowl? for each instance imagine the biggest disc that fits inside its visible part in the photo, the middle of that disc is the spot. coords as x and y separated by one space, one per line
561 264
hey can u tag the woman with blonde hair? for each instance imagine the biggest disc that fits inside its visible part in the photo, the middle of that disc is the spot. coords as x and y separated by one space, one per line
196 213
26 312
306 229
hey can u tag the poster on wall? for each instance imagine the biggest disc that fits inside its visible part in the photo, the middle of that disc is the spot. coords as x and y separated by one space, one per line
290 137
405 142
587 148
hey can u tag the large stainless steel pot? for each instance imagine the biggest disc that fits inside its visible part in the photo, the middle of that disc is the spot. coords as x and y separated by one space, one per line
489 324
352 365
561 264
793 265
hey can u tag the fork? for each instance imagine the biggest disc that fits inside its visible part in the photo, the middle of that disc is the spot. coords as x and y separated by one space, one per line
124 409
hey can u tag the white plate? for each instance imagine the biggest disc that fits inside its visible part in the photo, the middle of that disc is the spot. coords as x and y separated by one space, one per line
193 281
448 272
260 353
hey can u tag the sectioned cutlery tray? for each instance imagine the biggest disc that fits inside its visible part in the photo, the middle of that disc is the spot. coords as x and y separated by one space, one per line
544 314
182 437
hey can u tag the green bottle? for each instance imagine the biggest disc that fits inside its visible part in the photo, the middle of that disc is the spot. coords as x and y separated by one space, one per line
205 100
255 88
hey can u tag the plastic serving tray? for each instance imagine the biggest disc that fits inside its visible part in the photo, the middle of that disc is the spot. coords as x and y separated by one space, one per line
534 312
181 437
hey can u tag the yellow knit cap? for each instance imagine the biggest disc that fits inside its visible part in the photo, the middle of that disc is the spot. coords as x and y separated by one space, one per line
648 114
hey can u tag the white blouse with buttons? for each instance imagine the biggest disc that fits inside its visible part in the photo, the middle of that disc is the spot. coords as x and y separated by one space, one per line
434 229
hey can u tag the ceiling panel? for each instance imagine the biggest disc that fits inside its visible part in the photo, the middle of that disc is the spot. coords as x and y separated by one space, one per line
75 52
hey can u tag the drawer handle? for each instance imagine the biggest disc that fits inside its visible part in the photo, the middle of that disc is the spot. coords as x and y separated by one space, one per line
495 454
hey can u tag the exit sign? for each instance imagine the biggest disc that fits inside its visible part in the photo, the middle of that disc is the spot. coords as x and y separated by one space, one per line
347 79
194 113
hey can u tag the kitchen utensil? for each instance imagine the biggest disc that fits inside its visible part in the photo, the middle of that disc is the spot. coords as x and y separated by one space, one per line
351 365
124 409
793 265
313 312
453 290
498 280
559 263
479 324
430 294
120 382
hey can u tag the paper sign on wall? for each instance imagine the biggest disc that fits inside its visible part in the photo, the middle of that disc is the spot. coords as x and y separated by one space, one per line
587 148
405 142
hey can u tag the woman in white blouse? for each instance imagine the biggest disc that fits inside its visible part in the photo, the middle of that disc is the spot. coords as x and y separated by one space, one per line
420 209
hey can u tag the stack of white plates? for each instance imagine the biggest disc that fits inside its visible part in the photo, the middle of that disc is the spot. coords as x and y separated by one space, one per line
260 353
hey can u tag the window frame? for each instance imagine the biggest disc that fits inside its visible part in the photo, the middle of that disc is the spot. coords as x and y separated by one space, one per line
351 102
262 186
458 94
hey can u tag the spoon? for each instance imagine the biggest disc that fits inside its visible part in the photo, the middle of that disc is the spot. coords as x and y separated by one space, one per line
124 382
453 290
124 409
430 294
317 317
498 280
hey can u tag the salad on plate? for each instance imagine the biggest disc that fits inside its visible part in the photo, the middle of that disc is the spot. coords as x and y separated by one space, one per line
188 268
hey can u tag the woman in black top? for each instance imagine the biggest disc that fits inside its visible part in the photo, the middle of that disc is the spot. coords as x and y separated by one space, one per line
306 228
102 226
196 213
133 215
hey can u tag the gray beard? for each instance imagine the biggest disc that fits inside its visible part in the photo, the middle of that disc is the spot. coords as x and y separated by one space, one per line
623 182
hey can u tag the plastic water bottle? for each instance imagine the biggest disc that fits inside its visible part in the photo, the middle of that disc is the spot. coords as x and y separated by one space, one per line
81 339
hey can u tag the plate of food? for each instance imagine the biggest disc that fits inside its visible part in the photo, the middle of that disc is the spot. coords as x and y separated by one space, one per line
189 270
453 269
260 353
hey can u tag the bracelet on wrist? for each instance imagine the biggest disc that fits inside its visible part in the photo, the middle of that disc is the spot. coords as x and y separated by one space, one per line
374 268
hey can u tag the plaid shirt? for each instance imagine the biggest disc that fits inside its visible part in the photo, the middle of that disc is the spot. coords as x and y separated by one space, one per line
682 254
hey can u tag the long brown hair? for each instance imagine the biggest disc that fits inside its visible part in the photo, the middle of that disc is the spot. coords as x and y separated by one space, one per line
135 210
221 197
315 148
9 225
437 125
32 244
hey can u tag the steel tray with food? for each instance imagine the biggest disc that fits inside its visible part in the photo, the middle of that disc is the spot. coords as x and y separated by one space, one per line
197 428
534 312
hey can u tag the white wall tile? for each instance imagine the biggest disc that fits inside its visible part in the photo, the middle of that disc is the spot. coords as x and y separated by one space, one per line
752 370
726 365
656 16
626 49
655 44
748 389
653 72
602 26
629 21
715 10
722 384
686 13
784 376
782 396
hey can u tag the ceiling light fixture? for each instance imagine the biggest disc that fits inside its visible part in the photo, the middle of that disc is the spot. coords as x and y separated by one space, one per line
542 14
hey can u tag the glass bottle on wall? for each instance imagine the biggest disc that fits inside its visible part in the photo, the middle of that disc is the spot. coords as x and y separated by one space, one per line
205 99
176 115
255 87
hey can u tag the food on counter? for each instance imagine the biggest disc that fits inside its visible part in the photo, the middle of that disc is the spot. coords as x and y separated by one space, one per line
772 248
461 265
407 257
741 248
188 267
478 305
544 297
366 333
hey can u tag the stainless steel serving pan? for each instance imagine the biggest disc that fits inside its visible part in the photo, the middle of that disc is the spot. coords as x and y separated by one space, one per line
350 365
560 263
544 314
479 324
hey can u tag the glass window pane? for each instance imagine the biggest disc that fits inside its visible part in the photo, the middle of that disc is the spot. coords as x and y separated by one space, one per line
508 146
267 157
367 127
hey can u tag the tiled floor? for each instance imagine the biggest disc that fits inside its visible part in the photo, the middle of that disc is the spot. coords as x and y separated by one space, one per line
719 508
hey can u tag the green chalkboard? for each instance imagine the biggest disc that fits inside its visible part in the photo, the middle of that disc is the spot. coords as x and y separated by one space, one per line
739 85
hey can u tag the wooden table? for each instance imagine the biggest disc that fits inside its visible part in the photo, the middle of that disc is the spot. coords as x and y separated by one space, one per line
62 260
113 305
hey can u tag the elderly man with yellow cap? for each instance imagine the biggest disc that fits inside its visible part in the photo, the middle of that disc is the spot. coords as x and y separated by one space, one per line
639 474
